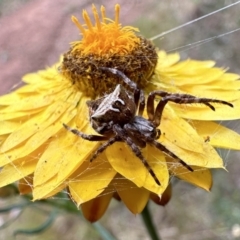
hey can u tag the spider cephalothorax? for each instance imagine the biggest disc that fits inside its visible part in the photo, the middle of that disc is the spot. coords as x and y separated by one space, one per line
114 117
117 107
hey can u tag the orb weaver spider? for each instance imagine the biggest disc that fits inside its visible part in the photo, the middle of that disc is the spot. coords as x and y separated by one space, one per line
114 116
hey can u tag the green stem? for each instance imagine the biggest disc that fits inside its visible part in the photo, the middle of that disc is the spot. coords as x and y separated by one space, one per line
147 219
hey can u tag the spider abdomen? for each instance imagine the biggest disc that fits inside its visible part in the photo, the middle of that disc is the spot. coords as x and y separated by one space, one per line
145 127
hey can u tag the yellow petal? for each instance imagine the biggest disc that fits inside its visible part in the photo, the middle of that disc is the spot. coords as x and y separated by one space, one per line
201 177
17 170
9 99
48 190
63 156
125 162
209 158
91 179
34 125
17 154
53 191
187 69
204 78
35 78
48 74
217 135
221 84
21 167
208 92
94 209
198 78
38 139
166 60
135 198
31 102
34 100
8 126
20 116
179 132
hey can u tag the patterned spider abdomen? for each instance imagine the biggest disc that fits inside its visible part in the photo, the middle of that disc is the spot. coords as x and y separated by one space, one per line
117 107
146 127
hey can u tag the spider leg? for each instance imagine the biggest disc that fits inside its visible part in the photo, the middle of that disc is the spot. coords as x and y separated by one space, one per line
125 79
141 103
139 97
122 134
104 146
85 136
176 98
169 153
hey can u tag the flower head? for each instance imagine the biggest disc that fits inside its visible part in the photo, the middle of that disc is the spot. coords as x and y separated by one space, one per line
37 151
107 44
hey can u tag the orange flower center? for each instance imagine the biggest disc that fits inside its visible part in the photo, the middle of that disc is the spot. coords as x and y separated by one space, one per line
105 36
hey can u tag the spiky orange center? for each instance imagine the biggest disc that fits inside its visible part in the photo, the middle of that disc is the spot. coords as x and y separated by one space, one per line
105 36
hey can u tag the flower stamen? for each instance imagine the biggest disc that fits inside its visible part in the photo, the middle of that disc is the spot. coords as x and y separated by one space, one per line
87 20
103 12
78 24
96 16
117 10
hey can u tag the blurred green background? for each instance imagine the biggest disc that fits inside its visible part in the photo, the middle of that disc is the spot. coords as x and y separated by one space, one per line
192 213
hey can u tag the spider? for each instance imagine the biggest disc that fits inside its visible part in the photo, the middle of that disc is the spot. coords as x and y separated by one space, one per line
114 116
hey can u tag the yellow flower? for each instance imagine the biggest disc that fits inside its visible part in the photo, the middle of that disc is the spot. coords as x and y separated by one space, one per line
37 151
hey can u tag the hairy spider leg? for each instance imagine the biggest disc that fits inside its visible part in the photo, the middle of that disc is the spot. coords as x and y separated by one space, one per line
85 136
141 103
104 146
139 97
94 138
121 133
142 139
176 98
169 153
